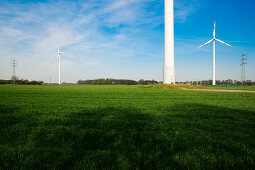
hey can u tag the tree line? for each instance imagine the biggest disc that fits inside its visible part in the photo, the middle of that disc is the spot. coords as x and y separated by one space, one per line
222 82
147 82
21 82
116 82
130 82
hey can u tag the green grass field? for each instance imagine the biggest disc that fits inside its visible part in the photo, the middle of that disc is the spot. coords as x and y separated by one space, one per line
125 127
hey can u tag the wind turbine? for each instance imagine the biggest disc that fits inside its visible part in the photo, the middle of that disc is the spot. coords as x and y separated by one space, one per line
214 39
169 69
59 66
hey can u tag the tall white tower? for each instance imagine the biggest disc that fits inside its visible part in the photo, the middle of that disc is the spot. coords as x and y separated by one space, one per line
169 69
59 66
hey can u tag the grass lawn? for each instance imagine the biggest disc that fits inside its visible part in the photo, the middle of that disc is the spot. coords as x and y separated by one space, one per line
248 88
125 127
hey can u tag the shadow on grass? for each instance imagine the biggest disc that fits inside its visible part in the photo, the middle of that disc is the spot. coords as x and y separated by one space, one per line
7 115
185 136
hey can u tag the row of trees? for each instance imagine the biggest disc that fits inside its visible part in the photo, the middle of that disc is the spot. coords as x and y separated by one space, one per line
130 82
21 82
147 82
116 81
222 82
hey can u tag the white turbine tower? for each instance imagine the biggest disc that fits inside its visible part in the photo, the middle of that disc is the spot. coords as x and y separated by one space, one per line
169 69
59 66
214 39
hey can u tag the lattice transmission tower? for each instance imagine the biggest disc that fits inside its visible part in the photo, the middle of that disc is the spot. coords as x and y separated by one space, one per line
14 66
243 67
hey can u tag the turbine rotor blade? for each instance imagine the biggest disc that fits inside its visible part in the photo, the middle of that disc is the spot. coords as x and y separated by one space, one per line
223 42
214 29
205 43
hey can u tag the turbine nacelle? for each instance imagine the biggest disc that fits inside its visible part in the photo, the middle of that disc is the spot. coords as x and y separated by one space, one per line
59 53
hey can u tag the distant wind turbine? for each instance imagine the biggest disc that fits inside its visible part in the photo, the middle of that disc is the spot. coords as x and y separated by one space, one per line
59 66
214 39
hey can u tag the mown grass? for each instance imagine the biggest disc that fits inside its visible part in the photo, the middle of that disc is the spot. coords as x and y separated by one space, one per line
248 88
125 127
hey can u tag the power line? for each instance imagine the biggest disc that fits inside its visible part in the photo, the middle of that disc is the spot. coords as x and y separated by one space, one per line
243 65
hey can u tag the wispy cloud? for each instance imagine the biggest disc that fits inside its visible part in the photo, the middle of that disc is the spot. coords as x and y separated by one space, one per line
184 8
97 36
33 32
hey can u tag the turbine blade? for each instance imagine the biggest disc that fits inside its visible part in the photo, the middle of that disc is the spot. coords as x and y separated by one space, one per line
205 43
223 42
214 29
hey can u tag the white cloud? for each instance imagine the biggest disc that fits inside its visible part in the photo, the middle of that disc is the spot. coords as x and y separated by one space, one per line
115 38
184 8
34 31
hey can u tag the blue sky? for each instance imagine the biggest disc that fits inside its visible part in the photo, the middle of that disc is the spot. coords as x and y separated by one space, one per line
124 38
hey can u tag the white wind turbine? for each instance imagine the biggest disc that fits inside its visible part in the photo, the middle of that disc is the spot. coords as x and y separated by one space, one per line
169 68
59 66
214 39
